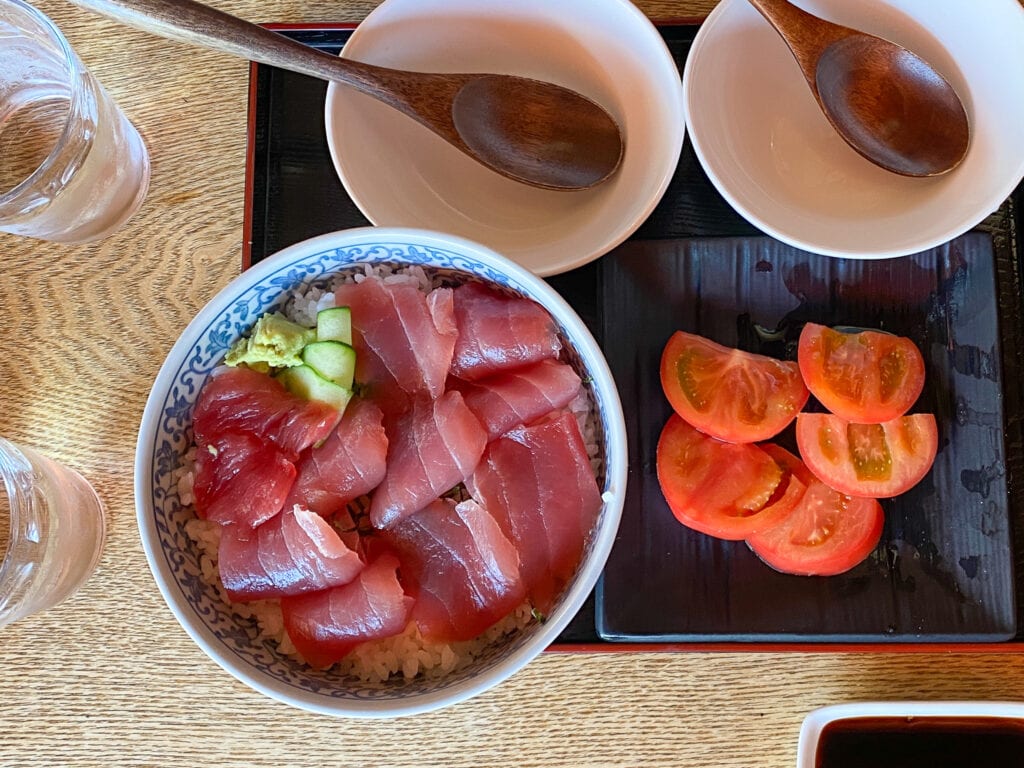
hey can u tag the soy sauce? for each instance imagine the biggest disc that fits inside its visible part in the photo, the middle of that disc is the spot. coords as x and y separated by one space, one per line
921 742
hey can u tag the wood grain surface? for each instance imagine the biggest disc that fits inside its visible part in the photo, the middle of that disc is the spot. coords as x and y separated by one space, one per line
109 678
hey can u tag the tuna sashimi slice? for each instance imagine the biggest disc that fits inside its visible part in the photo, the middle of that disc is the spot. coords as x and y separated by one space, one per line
349 464
244 400
326 626
240 479
538 484
499 332
506 400
403 338
435 447
461 569
297 551
348 530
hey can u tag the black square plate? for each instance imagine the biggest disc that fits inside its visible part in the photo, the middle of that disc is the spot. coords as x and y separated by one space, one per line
944 567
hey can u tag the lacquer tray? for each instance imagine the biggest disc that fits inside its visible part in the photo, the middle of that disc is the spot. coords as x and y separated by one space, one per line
944 572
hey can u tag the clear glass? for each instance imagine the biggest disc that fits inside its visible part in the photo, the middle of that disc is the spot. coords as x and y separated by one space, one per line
72 167
56 529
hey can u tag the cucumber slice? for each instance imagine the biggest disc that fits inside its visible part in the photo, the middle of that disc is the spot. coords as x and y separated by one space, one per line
303 381
333 360
334 324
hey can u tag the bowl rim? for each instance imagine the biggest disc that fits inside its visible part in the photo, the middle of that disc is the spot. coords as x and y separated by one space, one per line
616 468
675 137
959 226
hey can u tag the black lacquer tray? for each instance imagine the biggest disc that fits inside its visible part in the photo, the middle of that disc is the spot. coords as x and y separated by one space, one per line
944 572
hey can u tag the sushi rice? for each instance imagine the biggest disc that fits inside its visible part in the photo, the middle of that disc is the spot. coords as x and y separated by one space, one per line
408 654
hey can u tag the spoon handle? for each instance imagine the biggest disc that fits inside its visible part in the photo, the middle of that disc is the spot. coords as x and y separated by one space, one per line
192 22
806 34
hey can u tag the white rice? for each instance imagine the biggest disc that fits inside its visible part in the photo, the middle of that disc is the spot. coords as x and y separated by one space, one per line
407 654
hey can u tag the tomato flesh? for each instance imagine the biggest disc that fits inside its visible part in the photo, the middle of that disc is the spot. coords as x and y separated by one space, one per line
868 460
728 490
867 377
732 395
825 534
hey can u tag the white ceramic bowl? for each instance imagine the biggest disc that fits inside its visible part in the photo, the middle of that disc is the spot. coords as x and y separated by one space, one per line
948 711
769 150
165 435
400 174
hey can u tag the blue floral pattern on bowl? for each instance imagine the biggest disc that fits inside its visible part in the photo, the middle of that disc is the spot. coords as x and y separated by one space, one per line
163 516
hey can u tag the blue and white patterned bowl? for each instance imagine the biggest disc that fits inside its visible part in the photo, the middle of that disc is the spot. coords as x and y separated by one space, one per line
165 436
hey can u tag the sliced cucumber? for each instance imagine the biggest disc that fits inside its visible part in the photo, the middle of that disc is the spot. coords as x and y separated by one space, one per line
333 360
334 324
305 382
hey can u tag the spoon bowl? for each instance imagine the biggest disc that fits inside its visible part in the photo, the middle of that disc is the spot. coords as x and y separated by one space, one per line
512 125
534 132
886 102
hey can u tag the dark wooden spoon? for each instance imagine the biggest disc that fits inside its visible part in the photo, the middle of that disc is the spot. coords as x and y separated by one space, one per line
886 102
534 132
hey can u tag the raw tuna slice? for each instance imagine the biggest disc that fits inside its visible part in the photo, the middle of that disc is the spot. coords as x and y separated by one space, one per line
240 480
348 530
499 332
297 551
538 484
350 463
244 400
460 568
436 446
506 400
403 338
326 626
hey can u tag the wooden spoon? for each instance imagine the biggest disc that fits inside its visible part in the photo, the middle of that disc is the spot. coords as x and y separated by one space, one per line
886 102
534 132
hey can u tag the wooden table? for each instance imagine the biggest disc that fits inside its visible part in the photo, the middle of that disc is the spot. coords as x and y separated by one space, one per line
110 678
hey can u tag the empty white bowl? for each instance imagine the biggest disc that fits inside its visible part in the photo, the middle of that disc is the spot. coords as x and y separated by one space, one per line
234 641
768 149
400 174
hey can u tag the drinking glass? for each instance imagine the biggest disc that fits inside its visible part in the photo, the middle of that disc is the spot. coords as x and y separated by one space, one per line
72 168
56 528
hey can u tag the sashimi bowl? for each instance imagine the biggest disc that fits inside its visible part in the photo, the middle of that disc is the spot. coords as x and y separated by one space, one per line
403 673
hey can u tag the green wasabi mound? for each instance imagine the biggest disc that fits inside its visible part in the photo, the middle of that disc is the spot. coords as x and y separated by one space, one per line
275 342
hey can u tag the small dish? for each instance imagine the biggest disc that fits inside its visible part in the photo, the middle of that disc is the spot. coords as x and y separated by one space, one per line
769 150
400 174
232 638
915 733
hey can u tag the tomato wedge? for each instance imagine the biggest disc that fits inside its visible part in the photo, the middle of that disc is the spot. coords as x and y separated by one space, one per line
732 395
728 490
867 377
872 460
826 533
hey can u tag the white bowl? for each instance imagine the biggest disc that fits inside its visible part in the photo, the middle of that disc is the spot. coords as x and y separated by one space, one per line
165 435
400 174
948 711
769 150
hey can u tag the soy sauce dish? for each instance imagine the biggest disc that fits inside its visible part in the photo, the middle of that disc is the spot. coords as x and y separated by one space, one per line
908 734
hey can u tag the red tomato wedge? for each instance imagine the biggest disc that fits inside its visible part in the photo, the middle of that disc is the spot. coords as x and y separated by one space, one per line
726 490
825 534
732 395
871 460
867 377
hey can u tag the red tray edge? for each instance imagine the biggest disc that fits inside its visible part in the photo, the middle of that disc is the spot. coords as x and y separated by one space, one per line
1009 646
